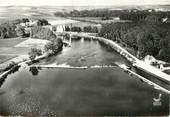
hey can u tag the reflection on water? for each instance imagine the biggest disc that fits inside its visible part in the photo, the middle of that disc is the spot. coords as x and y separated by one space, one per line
12 71
86 53
100 91
34 70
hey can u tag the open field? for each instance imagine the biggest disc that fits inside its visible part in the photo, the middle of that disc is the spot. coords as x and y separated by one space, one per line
4 58
11 42
19 46
31 43
97 20
84 24
8 13
17 49
8 51
14 51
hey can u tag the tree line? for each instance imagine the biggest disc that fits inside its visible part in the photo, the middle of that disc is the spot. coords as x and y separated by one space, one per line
89 29
12 29
143 37
51 48
105 14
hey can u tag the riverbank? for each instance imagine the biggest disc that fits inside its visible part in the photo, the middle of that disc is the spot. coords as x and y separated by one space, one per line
139 64
134 60
20 62
130 72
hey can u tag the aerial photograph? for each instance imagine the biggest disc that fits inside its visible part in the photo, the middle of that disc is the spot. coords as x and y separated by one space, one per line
84 58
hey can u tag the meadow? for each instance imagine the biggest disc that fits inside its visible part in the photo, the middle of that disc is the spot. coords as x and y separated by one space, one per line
11 42
97 20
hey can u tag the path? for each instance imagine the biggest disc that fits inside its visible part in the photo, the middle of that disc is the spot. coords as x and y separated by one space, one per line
134 60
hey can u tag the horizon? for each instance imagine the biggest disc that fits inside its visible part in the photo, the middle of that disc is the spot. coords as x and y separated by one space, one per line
83 5
83 2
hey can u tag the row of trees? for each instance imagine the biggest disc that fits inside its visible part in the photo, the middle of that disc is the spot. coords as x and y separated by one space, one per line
134 14
144 15
13 28
42 22
52 47
89 29
73 28
42 33
7 30
144 38
34 52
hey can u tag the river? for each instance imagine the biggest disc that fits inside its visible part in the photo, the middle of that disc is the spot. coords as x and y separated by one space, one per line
94 91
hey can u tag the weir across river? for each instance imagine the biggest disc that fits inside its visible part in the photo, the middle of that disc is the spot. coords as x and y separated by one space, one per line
94 89
134 60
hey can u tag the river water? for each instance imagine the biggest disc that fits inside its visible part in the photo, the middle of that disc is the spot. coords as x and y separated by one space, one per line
93 91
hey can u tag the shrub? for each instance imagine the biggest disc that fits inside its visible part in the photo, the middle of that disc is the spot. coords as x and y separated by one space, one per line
42 33
20 31
76 29
7 30
34 52
10 65
87 29
90 29
54 46
42 22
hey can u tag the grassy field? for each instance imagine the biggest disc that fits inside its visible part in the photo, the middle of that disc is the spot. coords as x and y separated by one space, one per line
83 24
97 20
11 48
14 51
8 50
30 43
4 58
17 12
10 42
19 46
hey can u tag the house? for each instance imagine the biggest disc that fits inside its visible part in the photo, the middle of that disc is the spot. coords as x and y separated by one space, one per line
149 59
166 20
56 28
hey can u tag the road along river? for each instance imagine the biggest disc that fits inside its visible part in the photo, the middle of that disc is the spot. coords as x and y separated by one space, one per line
102 89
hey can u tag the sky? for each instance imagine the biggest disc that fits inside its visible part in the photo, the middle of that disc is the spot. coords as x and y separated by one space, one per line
81 2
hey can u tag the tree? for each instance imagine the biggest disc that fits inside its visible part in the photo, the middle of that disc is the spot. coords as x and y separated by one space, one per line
164 52
54 46
95 30
34 71
24 20
42 33
67 28
153 19
7 30
143 37
87 29
42 22
76 29
74 13
20 31
34 52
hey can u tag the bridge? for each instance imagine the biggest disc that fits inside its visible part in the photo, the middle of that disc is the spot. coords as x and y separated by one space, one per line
75 34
